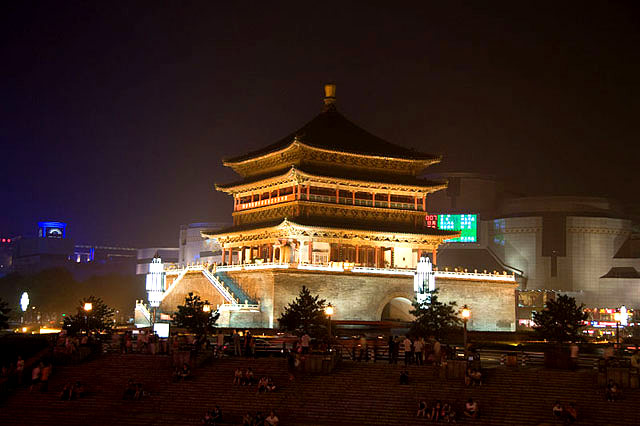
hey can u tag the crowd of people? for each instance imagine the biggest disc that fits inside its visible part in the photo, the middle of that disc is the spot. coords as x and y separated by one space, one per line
440 411
259 419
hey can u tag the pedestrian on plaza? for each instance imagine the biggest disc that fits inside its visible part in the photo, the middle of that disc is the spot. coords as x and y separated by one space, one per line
408 350
35 376
236 343
437 348
20 369
44 377
418 347
390 344
396 349
575 350
305 341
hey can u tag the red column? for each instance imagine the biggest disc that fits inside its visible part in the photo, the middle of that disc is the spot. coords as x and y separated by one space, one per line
415 199
375 256
278 193
308 191
434 255
389 200
353 194
223 253
357 254
424 203
419 254
310 251
298 191
337 195
374 199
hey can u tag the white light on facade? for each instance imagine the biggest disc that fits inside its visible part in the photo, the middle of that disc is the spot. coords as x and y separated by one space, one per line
24 301
155 283
424 281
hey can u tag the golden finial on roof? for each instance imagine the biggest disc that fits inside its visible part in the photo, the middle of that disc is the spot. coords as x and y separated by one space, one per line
329 95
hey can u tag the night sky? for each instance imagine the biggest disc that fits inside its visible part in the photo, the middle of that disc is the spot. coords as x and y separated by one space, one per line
114 116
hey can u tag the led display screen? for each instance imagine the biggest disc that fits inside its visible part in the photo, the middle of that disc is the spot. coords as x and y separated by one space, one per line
467 224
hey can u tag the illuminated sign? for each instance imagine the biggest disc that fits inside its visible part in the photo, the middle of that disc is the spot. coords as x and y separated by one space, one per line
267 202
467 224
51 229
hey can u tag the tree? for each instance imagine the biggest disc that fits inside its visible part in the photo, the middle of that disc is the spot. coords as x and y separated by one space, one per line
99 318
4 318
196 316
561 320
305 315
434 318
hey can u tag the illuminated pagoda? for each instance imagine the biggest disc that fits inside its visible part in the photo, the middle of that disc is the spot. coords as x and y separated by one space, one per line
343 212
330 192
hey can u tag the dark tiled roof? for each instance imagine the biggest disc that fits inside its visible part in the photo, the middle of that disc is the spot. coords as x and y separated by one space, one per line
469 258
622 272
337 224
331 130
342 174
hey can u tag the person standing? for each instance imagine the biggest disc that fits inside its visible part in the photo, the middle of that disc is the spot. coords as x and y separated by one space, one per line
417 350
575 350
390 344
20 369
44 377
305 341
247 343
236 343
396 349
35 376
219 344
408 350
437 348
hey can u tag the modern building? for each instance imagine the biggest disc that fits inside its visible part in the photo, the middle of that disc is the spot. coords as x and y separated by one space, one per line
337 209
49 249
195 248
6 254
169 255
587 247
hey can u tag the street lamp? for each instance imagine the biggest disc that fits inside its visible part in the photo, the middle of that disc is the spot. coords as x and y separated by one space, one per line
206 308
88 306
328 310
466 314
617 317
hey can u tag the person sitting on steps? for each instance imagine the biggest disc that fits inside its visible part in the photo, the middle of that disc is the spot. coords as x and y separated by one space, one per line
471 409
447 413
558 411
404 377
613 392
270 385
237 376
434 416
422 408
262 385
570 413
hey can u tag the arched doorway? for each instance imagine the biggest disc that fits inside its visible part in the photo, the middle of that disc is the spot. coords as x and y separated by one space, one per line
397 310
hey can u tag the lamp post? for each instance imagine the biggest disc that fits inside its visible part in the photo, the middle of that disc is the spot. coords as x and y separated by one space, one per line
465 313
328 310
617 317
88 306
206 308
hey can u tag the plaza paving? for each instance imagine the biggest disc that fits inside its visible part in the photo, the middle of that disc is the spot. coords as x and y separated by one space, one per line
356 394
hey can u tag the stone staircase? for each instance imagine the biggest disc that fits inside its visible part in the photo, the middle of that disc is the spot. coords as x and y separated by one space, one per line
356 394
237 291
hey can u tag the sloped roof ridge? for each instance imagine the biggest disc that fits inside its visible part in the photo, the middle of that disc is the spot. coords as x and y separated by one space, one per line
331 130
